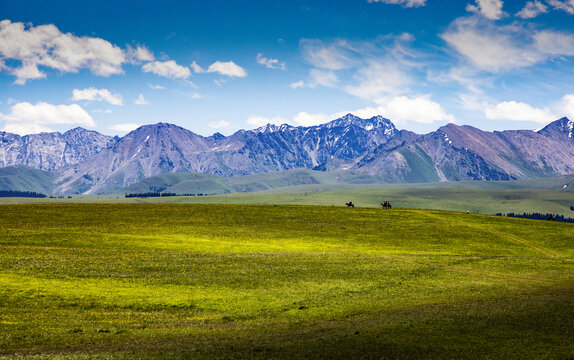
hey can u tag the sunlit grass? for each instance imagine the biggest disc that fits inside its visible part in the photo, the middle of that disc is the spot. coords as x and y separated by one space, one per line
160 280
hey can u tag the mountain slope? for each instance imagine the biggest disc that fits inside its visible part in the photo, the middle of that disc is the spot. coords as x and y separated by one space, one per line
51 151
466 153
164 148
87 162
21 178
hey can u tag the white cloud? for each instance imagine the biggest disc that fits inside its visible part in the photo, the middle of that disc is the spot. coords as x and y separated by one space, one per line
490 9
140 100
306 119
258 121
125 127
379 78
497 48
25 118
222 124
404 3
27 72
107 111
46 46
367 69
554 43
403 109
518 111
93 94
298 84
565 5
139 54
323 78
566 106
156 87
169 69
270 63
532 9
228 68
196 68
335 56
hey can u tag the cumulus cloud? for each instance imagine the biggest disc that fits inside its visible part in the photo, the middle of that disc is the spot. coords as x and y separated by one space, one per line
228 68
404 3
532 9
497 48
565 5
45 46
93 94
140 100
306 119
258 121
566 106
518 111
25 118
102 111
490 9
404 109
270 63
124 128
169 69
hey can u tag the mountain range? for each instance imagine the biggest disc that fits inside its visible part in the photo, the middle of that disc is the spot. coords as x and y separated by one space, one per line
84 161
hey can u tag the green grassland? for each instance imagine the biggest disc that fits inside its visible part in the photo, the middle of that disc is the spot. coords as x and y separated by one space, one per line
126 280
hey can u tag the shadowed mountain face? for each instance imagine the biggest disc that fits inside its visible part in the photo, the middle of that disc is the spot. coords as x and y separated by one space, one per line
88 162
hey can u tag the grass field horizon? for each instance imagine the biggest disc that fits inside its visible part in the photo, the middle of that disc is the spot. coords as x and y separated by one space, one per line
131 280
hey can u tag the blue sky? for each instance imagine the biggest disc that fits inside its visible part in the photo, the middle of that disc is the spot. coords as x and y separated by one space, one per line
221 66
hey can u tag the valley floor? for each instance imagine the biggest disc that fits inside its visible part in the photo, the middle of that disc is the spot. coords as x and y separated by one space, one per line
100 281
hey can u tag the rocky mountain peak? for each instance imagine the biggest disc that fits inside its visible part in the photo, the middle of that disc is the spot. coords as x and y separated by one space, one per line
561 129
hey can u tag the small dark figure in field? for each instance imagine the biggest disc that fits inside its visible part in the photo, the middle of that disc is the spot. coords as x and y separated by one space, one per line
350 204
386 205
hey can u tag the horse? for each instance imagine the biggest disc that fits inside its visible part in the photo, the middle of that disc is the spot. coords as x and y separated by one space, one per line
386 205
350 204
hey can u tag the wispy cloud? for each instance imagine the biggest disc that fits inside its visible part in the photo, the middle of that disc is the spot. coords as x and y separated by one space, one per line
564 5
140 100
93 94
498 48
532 9
404 3
270 63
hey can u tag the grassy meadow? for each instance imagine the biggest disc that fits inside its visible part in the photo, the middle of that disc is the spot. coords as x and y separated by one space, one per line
100 281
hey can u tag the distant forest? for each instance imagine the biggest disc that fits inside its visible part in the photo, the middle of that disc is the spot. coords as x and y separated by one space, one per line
27 194
540 216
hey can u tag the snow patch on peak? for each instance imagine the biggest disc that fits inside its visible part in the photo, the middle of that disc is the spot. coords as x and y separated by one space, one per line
570 127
